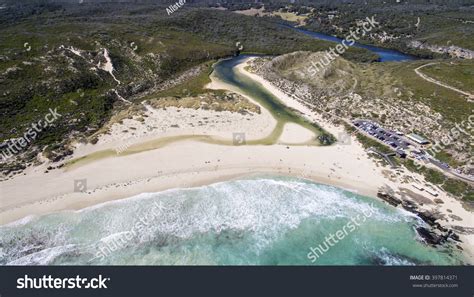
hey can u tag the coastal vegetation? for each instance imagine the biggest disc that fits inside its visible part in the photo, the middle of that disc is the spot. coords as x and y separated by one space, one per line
131 84
54 55
391 94
455 187
456 73
439 23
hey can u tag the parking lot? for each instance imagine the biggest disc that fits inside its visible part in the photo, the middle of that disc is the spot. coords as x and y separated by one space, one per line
391 138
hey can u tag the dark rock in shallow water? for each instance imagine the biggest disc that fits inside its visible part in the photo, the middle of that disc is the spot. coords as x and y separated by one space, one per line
454 236
427 217
409 206
436 234
451 235
389 198
429 236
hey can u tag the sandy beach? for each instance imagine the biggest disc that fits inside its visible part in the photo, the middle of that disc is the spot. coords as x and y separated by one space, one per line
189 163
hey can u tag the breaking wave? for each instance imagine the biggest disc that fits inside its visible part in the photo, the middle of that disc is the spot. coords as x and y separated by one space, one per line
264 220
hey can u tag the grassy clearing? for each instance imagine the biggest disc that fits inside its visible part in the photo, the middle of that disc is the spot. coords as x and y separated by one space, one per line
453 106
458 74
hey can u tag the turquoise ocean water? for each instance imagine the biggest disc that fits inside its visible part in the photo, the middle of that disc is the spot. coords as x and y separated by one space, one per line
265 220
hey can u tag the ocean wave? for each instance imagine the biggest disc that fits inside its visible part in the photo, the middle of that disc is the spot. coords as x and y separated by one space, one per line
384 257
262 209
20 222
43 257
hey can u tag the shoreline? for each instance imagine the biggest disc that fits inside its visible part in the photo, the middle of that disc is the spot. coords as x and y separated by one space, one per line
104 196
182 178
191 163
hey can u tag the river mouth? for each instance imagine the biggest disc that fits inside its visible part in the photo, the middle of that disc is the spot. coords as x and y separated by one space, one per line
226 72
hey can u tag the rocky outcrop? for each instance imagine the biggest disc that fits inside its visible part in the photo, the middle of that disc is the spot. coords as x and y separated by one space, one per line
389 198
433 234
452 50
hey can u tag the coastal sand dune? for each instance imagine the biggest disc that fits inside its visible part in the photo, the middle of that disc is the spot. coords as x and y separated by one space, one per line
173 121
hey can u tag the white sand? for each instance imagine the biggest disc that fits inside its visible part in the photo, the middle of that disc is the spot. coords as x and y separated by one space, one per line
294 134
189 163
174 121
177 162
108 66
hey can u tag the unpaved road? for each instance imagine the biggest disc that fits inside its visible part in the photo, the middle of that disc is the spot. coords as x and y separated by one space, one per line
432 80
